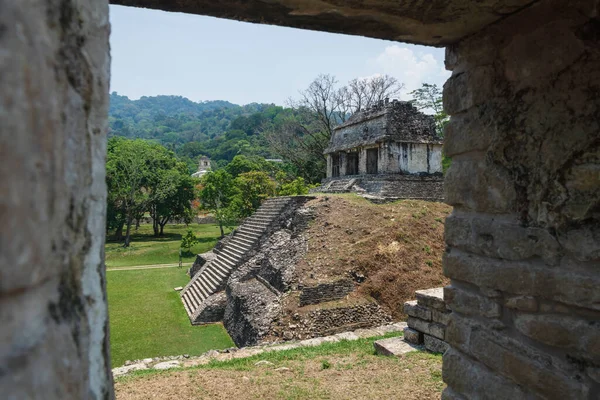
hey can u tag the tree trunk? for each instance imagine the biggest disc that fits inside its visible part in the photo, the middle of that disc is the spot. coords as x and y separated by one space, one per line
128 233
161 229
119 231
221 228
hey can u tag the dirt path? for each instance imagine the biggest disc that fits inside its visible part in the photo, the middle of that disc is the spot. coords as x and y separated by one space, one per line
135 267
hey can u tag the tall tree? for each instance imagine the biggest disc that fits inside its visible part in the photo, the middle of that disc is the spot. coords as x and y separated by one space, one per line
127 173
216 194
429 98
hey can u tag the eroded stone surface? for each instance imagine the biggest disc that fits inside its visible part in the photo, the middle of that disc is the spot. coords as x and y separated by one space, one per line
54 79
436 22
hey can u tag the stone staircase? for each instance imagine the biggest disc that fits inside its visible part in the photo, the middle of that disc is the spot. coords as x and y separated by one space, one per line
213 276
339 186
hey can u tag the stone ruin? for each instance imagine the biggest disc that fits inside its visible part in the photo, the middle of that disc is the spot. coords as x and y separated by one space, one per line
388 151
248 281
523 241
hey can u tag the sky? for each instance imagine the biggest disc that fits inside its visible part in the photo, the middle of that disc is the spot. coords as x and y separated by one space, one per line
205 58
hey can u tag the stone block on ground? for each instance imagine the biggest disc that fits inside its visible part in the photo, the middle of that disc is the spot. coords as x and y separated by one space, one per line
128 368
431 298
435 345
412 309
167 364
413 336
395 346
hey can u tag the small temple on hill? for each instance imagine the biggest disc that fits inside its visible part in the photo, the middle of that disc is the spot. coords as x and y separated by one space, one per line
390 150
203 167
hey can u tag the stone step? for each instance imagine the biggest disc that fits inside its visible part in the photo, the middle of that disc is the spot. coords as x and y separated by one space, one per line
218 273
224 255
211 278
201 291
252 229
395 346
241 247
235 249
193 297
207 287
225 267
222 269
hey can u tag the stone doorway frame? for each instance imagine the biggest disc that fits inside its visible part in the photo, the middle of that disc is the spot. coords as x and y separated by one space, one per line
522 242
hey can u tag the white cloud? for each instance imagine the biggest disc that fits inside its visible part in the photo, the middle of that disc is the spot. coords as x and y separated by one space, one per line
409 67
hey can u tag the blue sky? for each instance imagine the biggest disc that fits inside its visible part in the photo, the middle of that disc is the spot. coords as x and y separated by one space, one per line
203 58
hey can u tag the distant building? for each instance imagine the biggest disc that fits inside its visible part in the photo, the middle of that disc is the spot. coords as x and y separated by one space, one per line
390 138
389 151
203 167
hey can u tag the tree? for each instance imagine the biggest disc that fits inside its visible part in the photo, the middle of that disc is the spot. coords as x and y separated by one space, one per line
429 98
127 172
188 240
252 189
217 191
172 197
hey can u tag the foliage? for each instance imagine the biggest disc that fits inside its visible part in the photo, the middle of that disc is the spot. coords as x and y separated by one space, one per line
188 240
293 188
252 189
216 195
145 177
429 98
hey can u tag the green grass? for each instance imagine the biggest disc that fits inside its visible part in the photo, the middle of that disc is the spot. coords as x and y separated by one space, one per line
147 318
145 249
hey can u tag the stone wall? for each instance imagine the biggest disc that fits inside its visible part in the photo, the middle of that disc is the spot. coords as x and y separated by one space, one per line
327 321
427 320
327 291
388 187
54 79
524 237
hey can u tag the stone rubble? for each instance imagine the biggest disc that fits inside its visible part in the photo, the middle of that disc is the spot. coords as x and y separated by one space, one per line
185 361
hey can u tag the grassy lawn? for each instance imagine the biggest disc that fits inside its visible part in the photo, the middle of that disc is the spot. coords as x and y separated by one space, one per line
147 318
343 370
145 249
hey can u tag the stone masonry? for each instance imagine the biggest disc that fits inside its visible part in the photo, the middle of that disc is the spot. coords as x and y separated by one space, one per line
427 320
524 237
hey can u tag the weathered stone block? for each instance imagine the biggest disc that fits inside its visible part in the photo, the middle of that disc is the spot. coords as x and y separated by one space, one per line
568 332
522 303
466 132
467 89
435 345
429 328
413 336
474 381
478 185
522 366
525 277
501 239
431 298
412 309
393 347
441 317
470 303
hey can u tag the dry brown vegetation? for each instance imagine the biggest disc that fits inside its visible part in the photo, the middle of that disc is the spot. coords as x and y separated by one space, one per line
348 376
398 246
